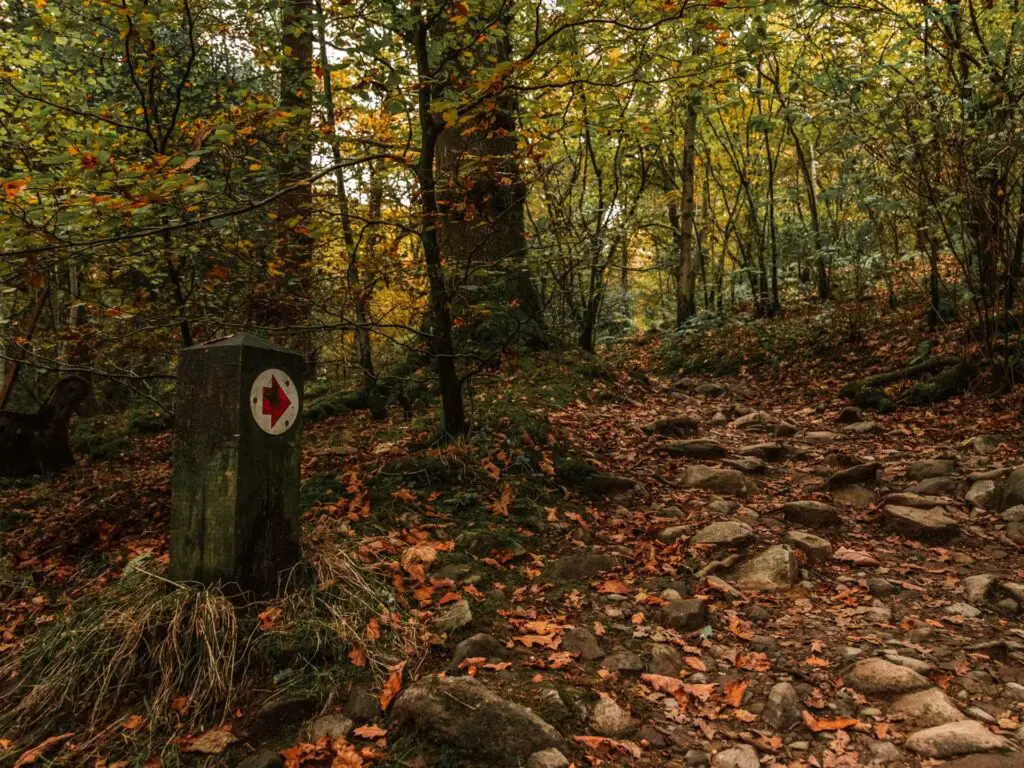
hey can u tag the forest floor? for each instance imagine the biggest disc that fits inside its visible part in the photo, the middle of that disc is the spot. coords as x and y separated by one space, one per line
585 586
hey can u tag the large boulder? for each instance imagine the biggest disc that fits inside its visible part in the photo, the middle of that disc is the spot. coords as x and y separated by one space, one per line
463 714
775 568
727 482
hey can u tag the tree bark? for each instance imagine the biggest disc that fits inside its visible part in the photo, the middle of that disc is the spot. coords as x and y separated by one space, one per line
686 276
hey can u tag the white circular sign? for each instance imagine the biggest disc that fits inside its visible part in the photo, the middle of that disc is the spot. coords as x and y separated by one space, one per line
274 401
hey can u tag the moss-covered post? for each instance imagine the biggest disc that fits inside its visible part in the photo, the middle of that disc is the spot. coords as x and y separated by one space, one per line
235 481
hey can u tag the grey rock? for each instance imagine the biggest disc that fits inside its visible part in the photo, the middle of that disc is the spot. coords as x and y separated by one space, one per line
361 705
747 465
579 567
861 473
719 419
861 428
583 642
775 568
927 708
982 494
480 645
919 666
547 758
954 739
918 501
673 426
850 414
720 507
665 660
697 758
879 676
1014 691
785 429
923 470
883 753
962 609
728 482
986 444
1015 590
817 549
743 756
672 533
1013 488
879 587
1013 514
855 495
264 758
782 708
977 713
623 660
848 652
728 533
822 436
454 618
695 449
930 524
466 716
978 588
711 389
814 514
330 727
609 719
755 420
683 615
934 486
771 451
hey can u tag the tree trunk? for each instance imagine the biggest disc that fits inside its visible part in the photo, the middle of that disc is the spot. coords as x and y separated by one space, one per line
686 276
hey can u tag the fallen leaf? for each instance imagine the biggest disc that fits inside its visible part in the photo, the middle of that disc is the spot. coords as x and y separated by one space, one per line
370 731
30 757
834 724
734 691
854 556
613 587
392 686
211 742
694 663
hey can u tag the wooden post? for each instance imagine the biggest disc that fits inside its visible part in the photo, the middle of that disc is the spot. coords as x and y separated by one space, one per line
235 481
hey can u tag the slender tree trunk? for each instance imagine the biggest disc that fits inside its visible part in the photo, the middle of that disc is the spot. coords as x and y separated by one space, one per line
686 277
364 350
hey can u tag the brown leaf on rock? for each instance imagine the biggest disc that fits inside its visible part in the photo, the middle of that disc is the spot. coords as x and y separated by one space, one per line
211 742
392 686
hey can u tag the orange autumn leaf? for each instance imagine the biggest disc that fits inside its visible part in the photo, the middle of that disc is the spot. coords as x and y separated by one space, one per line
550 642
734 691
270 616
370 731
32 755
742 629
825 724
358 657
132 722
392 686
694 663
814 661
613 587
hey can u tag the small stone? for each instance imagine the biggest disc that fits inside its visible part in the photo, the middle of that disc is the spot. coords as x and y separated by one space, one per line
480 645
856 496
879 676
672 533
652 736
264 758
547 758
982 495
623 660
861 428
773 569
977 588
672 426
755 420
860 473
361 705
782 708
919 666
978 713
696 758
814 514
609 719
934 486
744 756
954 739
923 470
817 549
457 616
1013 489
1008 605
880 587
986 444
927 708
822 436
917 501
665 660
848 652
1013 514
719 419
683 615
884 753
962 609
1014 691
330 727
724 534
920 523
850 414
727 482
799 746
694 449
580 567
582 642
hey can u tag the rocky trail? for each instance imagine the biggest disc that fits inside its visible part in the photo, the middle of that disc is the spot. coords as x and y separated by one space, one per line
767 578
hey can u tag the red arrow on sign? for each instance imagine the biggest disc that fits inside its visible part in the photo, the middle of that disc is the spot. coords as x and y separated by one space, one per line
275 401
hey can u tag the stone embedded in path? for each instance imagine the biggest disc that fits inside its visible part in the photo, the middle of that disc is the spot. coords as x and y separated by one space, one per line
672 533
986 444
743 756
923 470
695 449
577 567
683 615
711 389
879 677
755 420
782 708
547 758
771 451
623 660
861 428
962 609
785 429
673 426
480 645
861 473
728 533
454 618
850 414
977 588
964 737
775 568
817 549
917 501
747 465
728 482
821 436
927 708
920 523
934 486
330 727
609 719
982 495
582 642
814 514
1013 488
855 495
665 660
465 715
